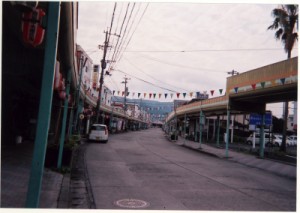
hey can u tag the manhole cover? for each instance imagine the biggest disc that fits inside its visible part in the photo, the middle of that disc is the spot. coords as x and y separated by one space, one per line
132 203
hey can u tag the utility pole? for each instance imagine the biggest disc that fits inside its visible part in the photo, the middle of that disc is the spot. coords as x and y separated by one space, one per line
103 66
126 91
233 72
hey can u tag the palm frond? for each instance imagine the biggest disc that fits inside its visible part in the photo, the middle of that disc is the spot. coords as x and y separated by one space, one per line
285 21
278 12
278 34
275 24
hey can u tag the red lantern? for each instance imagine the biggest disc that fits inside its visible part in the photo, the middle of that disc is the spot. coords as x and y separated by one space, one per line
62 94
70 99
33 32
58 79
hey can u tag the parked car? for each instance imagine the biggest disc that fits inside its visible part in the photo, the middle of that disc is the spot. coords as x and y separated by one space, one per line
292 140
268 140
98 132
278 140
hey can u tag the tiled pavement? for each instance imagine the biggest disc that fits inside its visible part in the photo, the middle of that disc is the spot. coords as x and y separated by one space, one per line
15 171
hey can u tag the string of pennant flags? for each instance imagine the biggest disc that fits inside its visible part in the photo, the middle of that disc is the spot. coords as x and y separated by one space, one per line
282 81
191 94
165 95
263 84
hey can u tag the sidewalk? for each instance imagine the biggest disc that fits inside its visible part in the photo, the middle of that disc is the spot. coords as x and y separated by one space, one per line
278 168
15 172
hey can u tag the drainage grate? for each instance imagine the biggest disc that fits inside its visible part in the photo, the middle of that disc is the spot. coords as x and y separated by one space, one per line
132 203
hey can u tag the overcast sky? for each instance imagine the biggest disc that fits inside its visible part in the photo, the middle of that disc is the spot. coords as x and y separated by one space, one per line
180 47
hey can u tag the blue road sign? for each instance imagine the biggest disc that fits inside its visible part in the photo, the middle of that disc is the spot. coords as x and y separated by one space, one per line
255 119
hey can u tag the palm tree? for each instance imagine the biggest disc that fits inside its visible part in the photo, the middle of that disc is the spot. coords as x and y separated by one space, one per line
286 18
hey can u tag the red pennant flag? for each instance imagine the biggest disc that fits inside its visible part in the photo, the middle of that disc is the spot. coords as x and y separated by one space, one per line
178 94
159 95
150 94
212 92
253 86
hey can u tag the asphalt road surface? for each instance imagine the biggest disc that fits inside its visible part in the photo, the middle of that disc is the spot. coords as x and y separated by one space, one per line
143 170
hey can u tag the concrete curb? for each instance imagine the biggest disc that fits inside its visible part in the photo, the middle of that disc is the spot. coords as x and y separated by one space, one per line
64 196
275 167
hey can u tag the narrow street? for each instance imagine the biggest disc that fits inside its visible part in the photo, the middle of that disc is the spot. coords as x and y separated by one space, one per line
143 170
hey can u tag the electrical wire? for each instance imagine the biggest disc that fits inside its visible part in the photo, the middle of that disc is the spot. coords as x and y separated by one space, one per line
151 76
112 21
135 30
180 65
146 81
124 35
205 50
113 82
116 46
130 27
116 29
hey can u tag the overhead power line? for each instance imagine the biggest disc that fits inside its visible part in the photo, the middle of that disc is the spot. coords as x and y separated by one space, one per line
116 29
205 50
134 30
150 75
120 33
124 35
146 81
180 65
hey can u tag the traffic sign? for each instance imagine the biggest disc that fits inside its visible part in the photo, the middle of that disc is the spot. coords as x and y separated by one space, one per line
256 119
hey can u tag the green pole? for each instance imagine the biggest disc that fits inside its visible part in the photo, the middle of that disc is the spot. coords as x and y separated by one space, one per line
227 131
70 130
64 121
184 126
200 128
111 118
79 106
218 131
195 132
44 114
262 137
